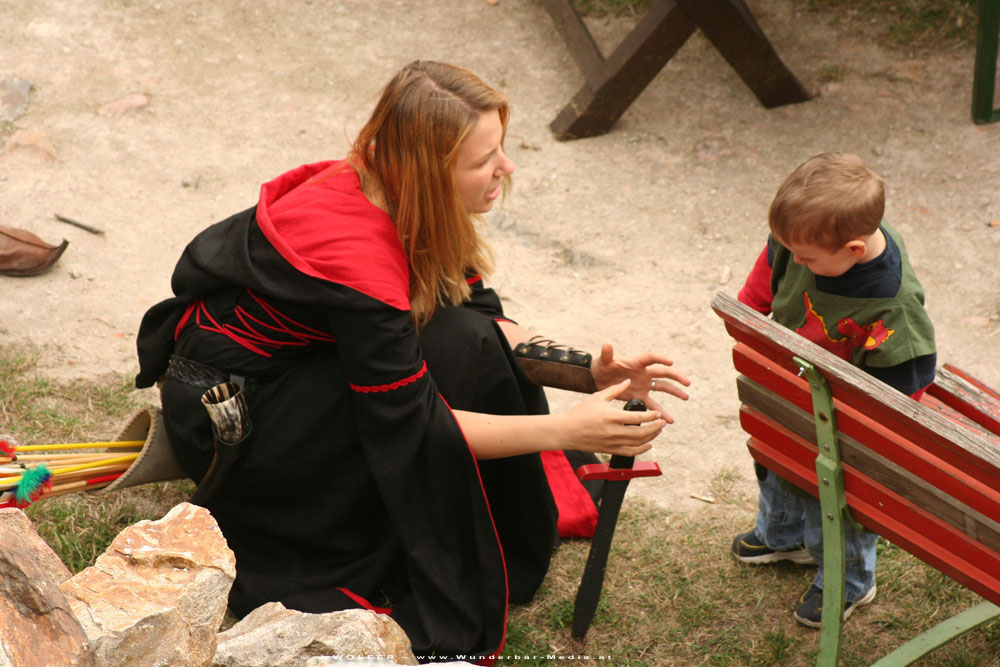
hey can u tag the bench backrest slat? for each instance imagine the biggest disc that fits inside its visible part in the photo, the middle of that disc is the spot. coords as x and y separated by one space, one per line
767 405
974 486
967 396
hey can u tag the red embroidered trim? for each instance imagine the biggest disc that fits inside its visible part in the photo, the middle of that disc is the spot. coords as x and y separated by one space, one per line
369 389
472 280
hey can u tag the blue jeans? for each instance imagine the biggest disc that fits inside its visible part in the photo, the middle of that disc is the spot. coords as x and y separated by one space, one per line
786 520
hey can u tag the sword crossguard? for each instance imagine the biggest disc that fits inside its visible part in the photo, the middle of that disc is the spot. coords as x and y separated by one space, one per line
606 472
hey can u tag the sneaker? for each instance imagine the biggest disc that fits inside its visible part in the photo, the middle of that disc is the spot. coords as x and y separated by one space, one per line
810 609
748 549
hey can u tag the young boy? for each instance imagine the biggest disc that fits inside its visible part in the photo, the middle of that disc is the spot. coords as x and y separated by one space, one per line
836 273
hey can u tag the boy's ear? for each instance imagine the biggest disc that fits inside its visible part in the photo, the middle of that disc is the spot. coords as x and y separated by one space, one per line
857 247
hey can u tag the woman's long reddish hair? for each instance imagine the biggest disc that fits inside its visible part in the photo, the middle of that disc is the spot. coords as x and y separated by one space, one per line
406 155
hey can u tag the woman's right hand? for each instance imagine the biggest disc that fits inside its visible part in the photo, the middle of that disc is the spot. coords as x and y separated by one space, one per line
594 425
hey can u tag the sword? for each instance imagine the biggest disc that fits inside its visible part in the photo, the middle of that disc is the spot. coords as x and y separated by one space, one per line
616 474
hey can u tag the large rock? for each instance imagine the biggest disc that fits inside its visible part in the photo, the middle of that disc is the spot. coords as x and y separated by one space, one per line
37 627
157 595
273 636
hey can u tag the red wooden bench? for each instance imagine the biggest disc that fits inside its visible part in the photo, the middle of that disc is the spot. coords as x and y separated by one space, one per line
925 475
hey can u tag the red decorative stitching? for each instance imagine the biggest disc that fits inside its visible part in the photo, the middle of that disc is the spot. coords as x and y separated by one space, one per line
280 318
249 335
185 317
369 389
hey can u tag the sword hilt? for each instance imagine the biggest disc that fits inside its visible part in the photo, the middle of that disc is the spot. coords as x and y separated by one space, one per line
621 467
636 405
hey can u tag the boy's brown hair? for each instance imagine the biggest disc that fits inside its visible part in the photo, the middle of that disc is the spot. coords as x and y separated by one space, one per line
827 201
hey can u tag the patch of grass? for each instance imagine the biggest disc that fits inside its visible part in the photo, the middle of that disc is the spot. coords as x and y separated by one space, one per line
34 410
725 485
602 8
907 23
673 595
903 23
779 645
833 74
57 411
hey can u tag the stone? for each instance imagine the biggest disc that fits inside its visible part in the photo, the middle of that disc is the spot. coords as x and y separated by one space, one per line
13 99
33 139
158 594
273 636
37 625
712 147
124 105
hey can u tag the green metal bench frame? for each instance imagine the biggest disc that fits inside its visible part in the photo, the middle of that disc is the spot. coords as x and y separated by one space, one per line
836 511
984 81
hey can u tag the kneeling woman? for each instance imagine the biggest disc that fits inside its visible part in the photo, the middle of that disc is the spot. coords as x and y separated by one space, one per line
393 458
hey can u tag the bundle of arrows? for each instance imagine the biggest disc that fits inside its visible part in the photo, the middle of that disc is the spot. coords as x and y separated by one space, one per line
32 472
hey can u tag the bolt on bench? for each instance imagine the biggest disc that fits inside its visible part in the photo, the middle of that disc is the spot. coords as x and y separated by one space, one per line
924 475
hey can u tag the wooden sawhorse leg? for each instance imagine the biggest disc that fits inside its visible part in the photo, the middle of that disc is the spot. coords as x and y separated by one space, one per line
612 84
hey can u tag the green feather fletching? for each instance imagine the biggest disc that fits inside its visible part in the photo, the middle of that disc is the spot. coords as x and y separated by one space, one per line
32 480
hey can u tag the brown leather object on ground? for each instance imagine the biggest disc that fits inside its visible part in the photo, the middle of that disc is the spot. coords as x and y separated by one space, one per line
24 254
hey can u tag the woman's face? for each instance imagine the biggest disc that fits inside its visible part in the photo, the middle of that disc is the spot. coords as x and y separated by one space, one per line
481 164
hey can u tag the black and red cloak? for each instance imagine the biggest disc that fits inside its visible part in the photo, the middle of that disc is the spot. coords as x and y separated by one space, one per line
356 486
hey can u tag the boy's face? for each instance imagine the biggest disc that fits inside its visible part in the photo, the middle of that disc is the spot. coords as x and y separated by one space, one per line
823 261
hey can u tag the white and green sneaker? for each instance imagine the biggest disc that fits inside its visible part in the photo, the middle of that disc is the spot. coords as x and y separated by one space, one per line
748 549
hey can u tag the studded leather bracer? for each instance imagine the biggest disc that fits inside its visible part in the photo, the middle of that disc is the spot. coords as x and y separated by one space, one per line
549 364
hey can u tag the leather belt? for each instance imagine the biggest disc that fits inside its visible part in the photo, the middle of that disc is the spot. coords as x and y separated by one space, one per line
202 375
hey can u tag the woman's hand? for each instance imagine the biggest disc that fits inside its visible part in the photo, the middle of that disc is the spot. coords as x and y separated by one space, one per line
648 372
594 425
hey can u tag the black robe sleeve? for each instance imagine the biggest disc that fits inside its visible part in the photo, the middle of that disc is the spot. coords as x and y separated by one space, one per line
430 483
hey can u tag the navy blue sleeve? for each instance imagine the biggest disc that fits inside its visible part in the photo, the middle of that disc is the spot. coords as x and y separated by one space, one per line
908 377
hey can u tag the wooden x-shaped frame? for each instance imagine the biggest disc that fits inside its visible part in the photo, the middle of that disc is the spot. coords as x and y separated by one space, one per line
613 83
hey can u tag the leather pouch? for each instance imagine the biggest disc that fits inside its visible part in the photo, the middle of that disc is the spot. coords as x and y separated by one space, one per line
24 254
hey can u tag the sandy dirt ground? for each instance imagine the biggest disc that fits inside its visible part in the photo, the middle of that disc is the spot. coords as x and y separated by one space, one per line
151 119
